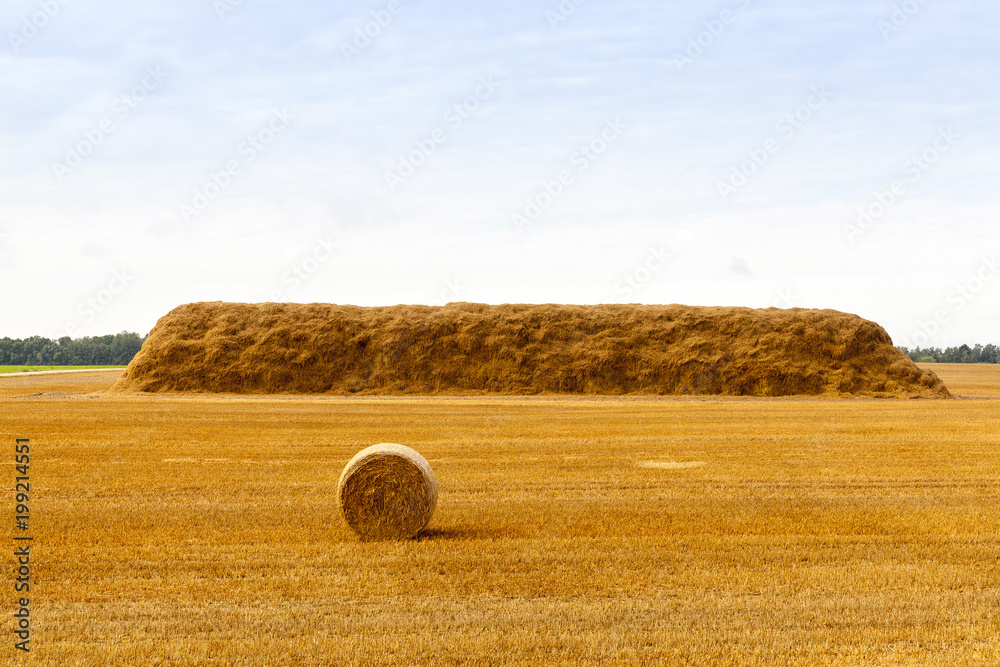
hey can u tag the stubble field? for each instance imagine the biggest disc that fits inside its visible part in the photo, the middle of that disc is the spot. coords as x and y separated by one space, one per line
204 529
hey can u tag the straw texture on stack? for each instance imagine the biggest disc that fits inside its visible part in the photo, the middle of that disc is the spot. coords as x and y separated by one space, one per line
387 492
471 348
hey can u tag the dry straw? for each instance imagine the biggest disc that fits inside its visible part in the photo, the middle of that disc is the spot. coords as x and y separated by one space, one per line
387 492
475 348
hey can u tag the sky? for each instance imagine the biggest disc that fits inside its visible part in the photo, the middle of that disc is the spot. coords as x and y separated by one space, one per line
727 153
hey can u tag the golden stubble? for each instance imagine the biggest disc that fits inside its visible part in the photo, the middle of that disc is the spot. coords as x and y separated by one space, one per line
205 530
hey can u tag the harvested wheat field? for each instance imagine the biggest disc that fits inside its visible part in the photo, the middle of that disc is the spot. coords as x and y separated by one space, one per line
475 348
199 529
969 380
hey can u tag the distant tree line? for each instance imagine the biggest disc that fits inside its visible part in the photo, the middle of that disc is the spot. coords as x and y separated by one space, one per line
118 350
979 354
110 350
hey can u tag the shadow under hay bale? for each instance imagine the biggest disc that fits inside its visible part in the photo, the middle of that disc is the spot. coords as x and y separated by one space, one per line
387 492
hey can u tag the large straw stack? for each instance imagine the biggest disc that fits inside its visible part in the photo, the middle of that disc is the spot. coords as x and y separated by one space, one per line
477 349
387 492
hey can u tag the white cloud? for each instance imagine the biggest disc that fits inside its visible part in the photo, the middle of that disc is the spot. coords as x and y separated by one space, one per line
451 220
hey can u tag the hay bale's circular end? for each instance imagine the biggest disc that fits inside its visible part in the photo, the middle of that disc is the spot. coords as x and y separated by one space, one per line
387 492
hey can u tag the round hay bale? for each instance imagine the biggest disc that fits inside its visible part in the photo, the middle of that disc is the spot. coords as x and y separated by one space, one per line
387 492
